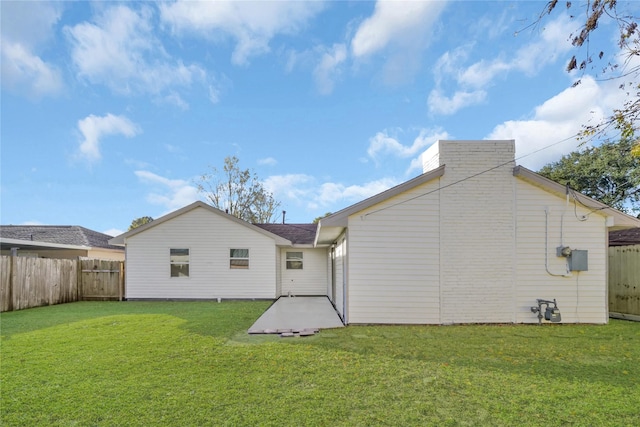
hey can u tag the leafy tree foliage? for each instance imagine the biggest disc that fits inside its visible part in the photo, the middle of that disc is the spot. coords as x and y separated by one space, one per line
238 192
590 13
140 221
608 173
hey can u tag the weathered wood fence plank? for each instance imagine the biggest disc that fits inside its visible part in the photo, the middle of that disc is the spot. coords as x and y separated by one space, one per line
5 284
32 282
624 279
100 279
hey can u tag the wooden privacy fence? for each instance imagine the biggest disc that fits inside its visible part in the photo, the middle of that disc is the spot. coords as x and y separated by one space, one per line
101 280
33 282
624 280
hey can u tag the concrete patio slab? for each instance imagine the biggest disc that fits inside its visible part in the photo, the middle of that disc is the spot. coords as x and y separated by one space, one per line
297 313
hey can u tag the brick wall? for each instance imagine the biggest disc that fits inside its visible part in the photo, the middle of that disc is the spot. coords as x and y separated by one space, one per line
477 230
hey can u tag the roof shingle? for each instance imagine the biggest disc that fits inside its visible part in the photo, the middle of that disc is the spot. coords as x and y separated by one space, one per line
301 234
63 234
630 236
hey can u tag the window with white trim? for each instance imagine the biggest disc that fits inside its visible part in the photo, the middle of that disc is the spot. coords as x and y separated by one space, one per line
179 261
239 258
294 261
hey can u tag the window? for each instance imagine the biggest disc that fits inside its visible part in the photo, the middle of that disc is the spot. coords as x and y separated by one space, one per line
294 260
179 260
239 258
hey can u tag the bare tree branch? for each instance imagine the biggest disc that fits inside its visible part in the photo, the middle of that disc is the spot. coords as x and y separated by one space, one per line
238 192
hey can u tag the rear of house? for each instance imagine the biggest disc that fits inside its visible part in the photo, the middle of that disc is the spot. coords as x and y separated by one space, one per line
302 269
472 240
200 252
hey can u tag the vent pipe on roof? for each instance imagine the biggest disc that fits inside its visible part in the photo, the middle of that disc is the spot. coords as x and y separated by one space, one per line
284 213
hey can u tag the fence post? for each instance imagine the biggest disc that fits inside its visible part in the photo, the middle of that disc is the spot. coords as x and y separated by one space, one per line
79 280
12 280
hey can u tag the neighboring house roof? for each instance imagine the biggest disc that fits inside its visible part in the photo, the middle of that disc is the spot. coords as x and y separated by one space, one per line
298 234
61 236
619 220
627 237
120 240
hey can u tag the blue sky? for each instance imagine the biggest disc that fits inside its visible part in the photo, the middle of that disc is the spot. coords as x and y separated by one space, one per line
112 110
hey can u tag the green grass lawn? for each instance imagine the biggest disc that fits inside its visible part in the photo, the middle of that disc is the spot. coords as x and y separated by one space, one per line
192 363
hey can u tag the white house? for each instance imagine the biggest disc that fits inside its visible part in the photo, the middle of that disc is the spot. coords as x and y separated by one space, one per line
200 252
473 239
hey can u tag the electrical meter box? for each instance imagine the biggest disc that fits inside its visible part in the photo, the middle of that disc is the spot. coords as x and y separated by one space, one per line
578 260
552 314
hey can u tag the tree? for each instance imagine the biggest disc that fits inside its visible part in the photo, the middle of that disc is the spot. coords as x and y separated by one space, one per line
317 220
590 14
140 221
238 192
608 173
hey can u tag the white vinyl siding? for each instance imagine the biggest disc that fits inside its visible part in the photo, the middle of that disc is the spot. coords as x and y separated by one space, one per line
393 260
581 296
473 251
209 236
309 280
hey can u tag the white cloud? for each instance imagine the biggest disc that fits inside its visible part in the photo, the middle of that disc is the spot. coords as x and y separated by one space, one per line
441 104
174 98
94 128
331 192
483 72
121 51
24 71
172 148
172 194
558 119
529 59
326 63
25 27
113 232
214 94
472 81
401 30
30 23
450 62
291 186
393 22
268 161
552 44
251 24
305 190
382 143
328 69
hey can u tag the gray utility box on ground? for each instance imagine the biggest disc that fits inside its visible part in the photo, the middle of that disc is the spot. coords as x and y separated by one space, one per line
578 260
